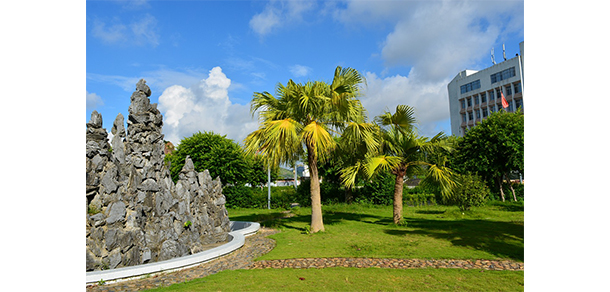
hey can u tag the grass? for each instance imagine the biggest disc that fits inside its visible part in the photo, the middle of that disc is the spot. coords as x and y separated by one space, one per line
354 279
493 232
431 232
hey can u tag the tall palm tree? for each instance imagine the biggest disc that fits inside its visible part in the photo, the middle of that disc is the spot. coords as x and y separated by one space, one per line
304 117
404 153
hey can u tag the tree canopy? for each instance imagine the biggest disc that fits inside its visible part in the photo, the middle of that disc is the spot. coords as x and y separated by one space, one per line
302 118
492 149
221 157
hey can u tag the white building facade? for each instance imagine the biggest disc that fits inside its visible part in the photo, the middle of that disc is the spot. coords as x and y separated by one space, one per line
474 95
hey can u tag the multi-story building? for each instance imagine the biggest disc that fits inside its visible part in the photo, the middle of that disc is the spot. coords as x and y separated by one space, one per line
474 95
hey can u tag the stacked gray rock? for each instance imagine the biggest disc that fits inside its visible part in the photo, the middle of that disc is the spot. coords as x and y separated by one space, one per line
135 212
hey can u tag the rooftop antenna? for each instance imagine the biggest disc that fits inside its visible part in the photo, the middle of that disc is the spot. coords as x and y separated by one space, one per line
493 59
503 52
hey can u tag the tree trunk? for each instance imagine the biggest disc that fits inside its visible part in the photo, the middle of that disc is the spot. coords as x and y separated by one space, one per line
349 195
511 188
398 197
499 183
316 201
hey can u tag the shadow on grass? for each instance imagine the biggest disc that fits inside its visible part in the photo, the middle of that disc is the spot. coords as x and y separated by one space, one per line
504 239
431 212
281 220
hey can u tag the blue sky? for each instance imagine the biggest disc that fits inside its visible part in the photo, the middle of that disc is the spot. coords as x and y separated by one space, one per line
204 59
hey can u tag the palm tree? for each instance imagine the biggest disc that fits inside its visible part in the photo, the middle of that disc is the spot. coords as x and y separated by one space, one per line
404 153
304 117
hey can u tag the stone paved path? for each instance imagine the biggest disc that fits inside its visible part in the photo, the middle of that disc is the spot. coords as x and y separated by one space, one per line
259 244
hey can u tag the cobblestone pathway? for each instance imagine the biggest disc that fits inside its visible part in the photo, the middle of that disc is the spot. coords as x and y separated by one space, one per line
258 244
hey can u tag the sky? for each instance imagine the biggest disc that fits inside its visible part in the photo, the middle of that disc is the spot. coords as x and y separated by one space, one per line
203 60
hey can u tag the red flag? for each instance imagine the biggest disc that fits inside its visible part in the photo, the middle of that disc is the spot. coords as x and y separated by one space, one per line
504 102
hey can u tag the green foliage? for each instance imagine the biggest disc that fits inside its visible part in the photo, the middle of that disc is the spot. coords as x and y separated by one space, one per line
256 197
329 192
220 156
379 190
493 148
418 199
187 224
470 192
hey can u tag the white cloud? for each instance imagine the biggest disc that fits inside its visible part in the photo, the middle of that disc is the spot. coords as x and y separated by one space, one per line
429 100
300 70
437 38
113 34
265 21
142 32
279 13
93 101
204 106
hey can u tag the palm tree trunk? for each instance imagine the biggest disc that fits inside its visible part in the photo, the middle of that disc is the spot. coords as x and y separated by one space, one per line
314 186
398 197
349 195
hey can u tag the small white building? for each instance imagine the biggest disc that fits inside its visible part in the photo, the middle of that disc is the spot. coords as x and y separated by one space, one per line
474 95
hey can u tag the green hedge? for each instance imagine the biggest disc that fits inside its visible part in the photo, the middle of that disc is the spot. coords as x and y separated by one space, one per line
255 197
378 191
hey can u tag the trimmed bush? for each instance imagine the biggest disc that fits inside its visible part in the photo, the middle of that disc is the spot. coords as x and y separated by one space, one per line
470 192
255 197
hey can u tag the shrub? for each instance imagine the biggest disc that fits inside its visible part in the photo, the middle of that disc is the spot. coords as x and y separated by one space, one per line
255 197
470 192
418 199
379 190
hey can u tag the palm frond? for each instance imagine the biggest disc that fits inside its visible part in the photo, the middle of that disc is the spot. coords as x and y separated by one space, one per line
316 137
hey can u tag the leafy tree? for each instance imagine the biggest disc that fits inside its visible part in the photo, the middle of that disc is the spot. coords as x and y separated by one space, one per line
220 156
300 118
402 152
493 149
469 192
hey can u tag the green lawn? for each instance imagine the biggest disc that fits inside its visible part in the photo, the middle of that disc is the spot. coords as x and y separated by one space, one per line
432 232
440 232
354 279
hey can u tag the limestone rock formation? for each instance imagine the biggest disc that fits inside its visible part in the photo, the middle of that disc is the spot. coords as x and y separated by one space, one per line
135 212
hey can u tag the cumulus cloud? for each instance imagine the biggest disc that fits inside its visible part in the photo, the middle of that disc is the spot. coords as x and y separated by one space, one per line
436 38
141 32
300 70
279 13
93 101
204 106
429 99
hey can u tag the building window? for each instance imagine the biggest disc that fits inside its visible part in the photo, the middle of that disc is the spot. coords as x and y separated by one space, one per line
517 103
492 109
483 97
470 86
509 90
478 115
517 87
498 95
464 118
469 102
470 116
463 102
503 75
476 99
